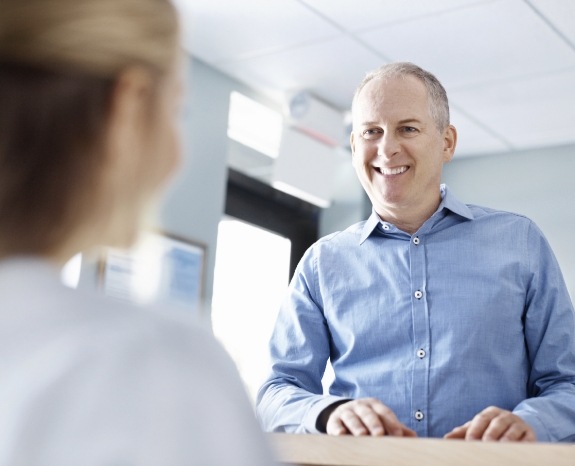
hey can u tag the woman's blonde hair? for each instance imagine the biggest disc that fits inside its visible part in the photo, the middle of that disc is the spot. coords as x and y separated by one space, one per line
95 37
59 62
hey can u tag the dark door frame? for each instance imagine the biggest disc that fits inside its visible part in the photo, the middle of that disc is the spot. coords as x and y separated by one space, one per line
262 205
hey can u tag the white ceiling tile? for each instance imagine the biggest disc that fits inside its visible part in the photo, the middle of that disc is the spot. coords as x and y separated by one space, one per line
318 68
228 30
560 13
532 112
365 14
472 139
497 58
492 41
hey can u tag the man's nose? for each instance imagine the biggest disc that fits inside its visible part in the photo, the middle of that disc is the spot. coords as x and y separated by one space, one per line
388 145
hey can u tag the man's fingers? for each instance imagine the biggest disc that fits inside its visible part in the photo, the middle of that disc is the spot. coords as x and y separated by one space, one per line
518 431
504 426
335 426
366 416
391 424
458 432
355 422
514 433
345 420
373 421
407 432
362 418
494 424
529 436
480 423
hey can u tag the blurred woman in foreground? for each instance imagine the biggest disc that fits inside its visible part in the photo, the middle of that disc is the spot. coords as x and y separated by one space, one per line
89 93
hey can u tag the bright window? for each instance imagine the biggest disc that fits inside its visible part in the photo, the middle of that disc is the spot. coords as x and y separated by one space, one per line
250 280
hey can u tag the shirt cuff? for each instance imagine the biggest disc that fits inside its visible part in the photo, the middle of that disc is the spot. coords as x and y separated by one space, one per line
310 419
531 418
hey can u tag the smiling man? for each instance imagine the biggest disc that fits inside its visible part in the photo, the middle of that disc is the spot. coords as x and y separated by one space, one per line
440 319
399 149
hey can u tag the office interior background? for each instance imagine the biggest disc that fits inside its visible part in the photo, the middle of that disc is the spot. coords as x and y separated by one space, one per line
265 130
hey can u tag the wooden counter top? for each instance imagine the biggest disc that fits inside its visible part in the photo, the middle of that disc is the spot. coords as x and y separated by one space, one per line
309 449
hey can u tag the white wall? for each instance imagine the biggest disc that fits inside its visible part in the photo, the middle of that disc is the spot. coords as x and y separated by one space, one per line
350 204
537 183
194 205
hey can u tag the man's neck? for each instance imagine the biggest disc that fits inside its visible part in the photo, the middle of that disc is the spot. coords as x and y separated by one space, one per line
409 220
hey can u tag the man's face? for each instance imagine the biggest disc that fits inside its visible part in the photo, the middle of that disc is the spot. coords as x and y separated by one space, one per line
398 151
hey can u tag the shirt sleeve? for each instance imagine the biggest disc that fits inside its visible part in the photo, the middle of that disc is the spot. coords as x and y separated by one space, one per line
550 338
292 397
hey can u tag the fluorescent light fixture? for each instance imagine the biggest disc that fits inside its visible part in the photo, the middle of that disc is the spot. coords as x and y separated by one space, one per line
254 125
305 167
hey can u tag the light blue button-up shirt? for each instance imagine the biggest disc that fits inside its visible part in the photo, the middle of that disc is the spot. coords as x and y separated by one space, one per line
470 311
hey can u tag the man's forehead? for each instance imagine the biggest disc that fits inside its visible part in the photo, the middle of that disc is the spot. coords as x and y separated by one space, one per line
402 97
390 85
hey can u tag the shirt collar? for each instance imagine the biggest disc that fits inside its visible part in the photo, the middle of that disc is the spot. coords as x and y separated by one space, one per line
448 202
370 225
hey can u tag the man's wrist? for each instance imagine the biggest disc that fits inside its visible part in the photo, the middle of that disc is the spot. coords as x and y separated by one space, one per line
321 422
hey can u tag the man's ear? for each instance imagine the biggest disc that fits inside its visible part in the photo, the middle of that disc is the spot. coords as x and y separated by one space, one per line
449 143
352 142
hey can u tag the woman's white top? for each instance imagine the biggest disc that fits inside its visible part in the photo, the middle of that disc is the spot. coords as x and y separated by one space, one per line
87 381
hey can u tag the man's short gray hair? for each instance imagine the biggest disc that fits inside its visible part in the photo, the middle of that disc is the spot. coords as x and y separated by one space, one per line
438 103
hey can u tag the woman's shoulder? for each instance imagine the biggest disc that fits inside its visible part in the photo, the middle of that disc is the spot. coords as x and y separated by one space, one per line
37 306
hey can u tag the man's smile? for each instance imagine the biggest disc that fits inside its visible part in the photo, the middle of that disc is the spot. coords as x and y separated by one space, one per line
392 171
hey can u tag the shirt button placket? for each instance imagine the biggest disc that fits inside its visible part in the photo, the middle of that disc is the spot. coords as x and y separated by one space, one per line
420 394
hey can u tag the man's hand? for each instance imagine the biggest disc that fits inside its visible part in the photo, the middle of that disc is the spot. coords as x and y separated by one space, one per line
366 416
494 424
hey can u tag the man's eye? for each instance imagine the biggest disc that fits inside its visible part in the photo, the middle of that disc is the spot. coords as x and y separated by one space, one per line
371 133
409 129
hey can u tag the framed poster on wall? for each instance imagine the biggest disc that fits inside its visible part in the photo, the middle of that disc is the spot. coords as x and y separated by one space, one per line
161 269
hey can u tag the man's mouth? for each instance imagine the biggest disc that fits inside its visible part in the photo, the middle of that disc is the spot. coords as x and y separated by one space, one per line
392 171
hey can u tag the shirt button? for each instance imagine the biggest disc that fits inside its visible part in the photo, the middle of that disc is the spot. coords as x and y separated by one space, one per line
418 294
418 415
421 353
385 226
416 240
